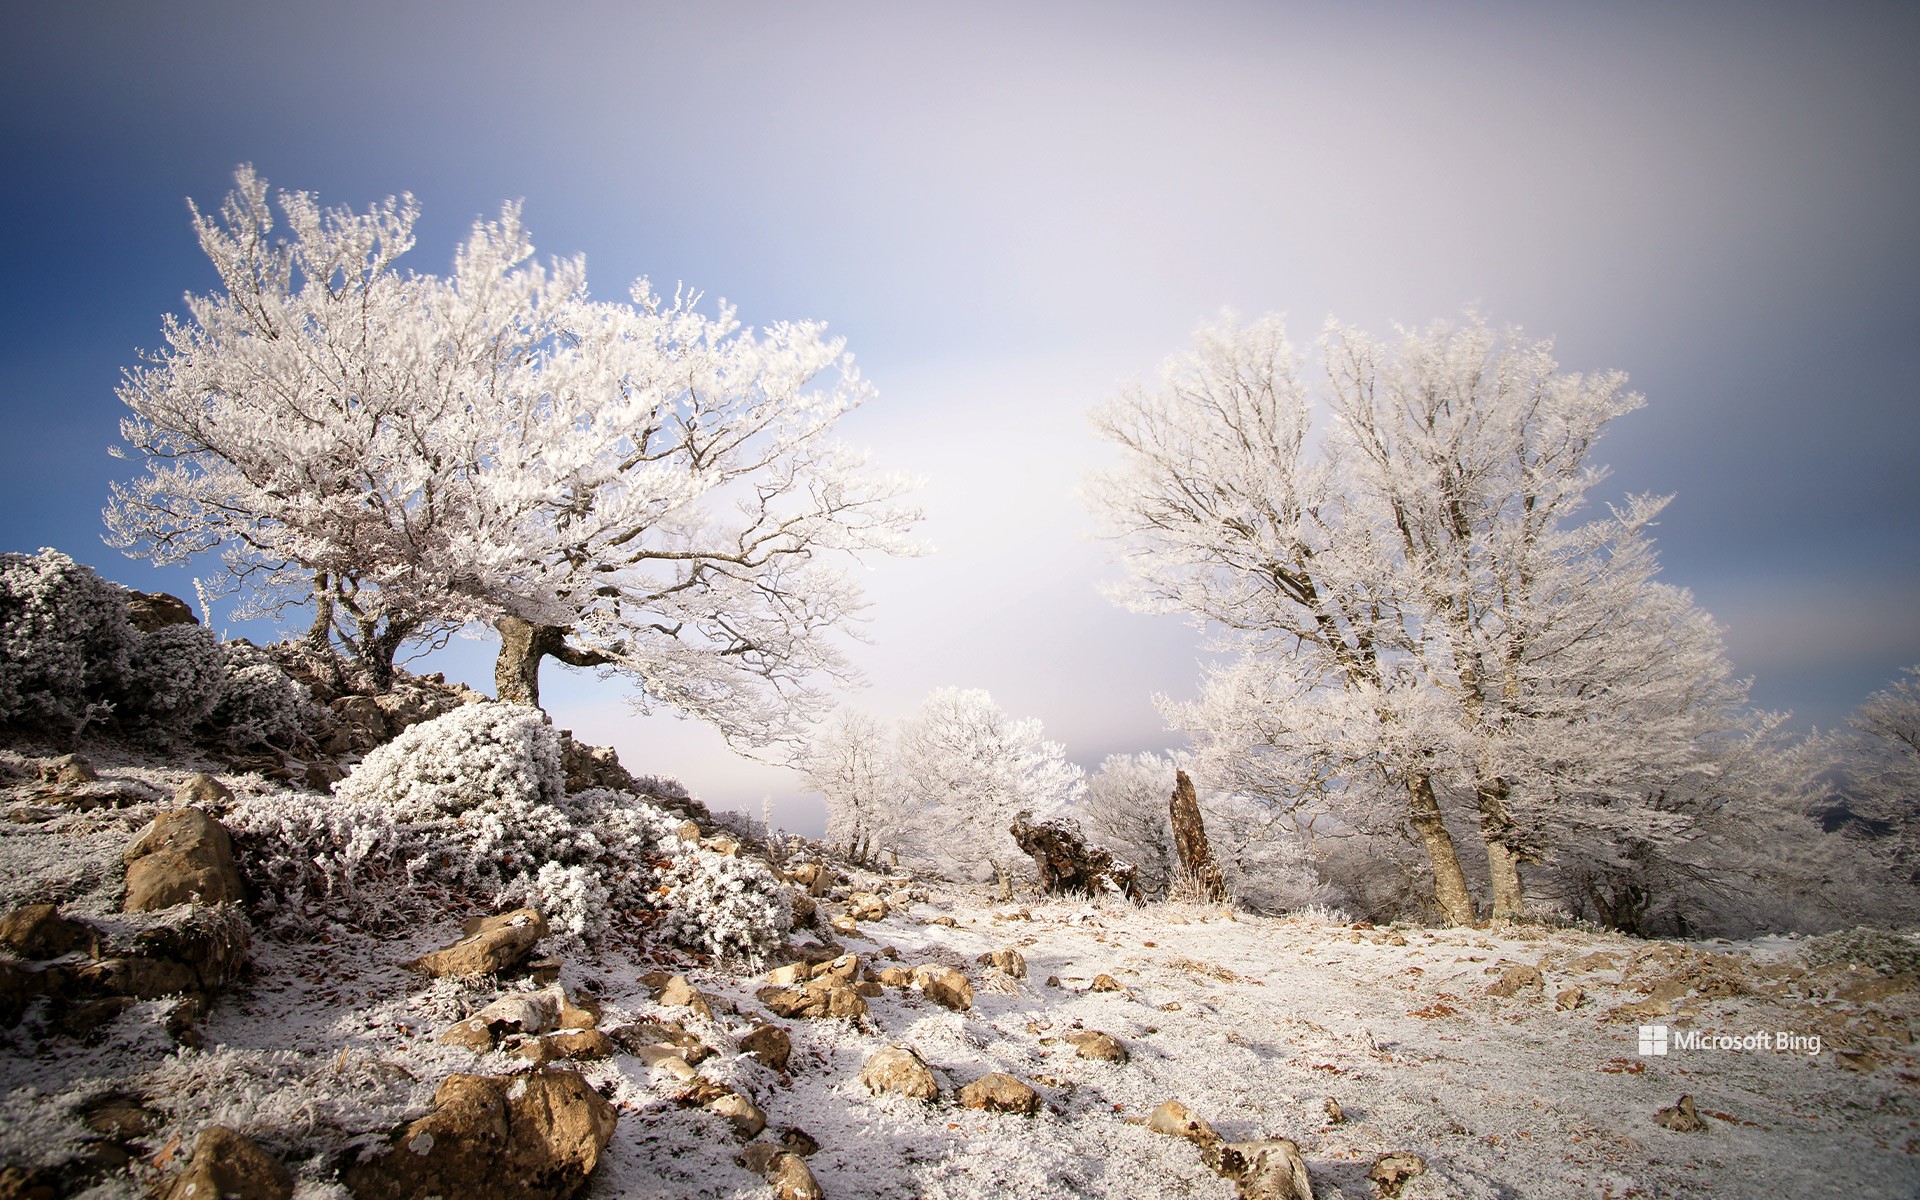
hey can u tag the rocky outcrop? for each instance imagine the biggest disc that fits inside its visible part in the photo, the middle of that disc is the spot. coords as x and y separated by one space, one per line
488 946
525 1137
1198 871
1068 864
150 612
183 856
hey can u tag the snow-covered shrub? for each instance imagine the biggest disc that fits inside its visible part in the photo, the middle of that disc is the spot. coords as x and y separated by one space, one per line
259 703
64 641
173 678
725 905
1883 950
471 805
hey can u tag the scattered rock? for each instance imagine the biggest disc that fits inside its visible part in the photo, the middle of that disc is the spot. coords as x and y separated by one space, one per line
944 986
900 1070
524 1137
69 770
1391 1171
1335 1114
572 1045
865 906
896 977
1000 1092
743 1114
678 993
792 1179
195 950
226 1166
1570 999
819 998
798 1140
1515 980
1009 960
182 856
1104 982
1101 1047
470 1034
489 945
1053 981
1682 1117
202 791
949 922
844 926
770 1044
639 1036
1266 1170
150 612
38 932
805 911
1177 1120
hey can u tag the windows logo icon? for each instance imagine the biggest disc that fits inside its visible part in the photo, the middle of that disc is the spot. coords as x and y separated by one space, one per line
1653 1039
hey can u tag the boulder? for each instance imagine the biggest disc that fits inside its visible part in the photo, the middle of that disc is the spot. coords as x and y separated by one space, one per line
1391 1172
944 986
182 856
150 612
1000 1092
1068 863
1101 1047
38 932
1266 1170
229 1167
488 946
1518 979
743 1114
899 1070
536 1136
770 1044
865 906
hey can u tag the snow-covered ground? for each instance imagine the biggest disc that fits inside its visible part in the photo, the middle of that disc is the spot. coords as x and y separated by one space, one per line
1254 1023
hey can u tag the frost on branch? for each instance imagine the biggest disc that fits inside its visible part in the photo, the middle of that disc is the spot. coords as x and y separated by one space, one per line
473 803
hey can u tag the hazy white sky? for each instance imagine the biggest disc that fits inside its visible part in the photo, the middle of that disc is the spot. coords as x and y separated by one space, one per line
1010 210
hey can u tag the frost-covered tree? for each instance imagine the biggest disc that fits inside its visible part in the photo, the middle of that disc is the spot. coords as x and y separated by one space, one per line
1419 607
636 485
965 769
1126 807
850 762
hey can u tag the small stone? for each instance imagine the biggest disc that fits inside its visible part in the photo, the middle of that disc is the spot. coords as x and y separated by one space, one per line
471 1034
790 974
119 1117
758 1156
1570 999
1000 1092
865 906
896 977
770 1044
687 831
792 1178
1104 982
944 986
743 1114
899 1070
1335 1114
798 1140
1101 1047
1008 960
1391 1171
844 926
678 993
1515 980
69 770
949 922
1053 981
1177 1120
1682 1117
202 791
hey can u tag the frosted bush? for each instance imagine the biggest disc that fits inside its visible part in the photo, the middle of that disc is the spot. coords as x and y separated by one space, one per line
259 703
64 640
472 804
173 678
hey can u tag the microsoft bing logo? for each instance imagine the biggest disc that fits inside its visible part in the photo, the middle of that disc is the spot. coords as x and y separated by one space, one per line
1653 1039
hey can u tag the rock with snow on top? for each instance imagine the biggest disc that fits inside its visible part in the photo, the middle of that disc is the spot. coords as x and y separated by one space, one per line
1271 1169
1097 1045
1008 960
865 906
1177 1120
202 791
770 1044
1104 982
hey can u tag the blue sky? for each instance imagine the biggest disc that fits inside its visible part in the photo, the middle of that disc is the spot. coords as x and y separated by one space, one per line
1011 210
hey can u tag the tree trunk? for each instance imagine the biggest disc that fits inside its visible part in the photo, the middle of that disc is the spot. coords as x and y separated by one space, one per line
378 647
1449 882
1503 859
1190 840
516 672
320 634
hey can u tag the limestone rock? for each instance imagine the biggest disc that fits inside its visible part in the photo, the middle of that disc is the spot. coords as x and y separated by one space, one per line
489 945
1104 982
865 906
770 1044
895 977
798 1140
636 1036
823 997
1391 1172
1266 1170
944 986
470 1034
1177 1120
1068 863
572 1045
792 1179
1101 1047
1335 1114
69 770
678 993
1000 1092
526 1137
1515 980
38 932
1682 1117
900 1070
195 950
1009 960
152 611
182 856
230 1167
743 1114
1570 999
201 791
844 926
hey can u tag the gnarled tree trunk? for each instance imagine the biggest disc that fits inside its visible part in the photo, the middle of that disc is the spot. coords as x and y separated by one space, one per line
1449 881
516 672
1190 841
